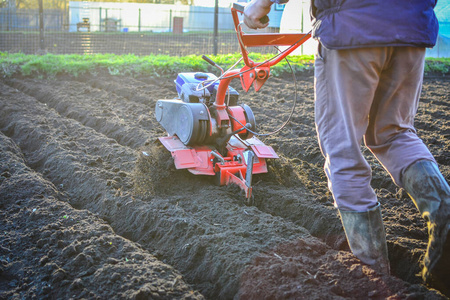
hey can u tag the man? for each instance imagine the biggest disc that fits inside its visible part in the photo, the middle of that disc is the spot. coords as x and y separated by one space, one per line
368 78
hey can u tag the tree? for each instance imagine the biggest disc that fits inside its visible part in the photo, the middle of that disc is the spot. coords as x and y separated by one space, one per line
34 4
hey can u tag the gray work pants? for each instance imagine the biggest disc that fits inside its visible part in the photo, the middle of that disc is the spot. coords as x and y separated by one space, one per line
370 93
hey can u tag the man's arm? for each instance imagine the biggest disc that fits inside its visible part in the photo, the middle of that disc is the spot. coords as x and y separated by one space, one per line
257 9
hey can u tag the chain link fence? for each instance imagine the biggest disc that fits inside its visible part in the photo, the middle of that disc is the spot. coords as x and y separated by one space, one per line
119 28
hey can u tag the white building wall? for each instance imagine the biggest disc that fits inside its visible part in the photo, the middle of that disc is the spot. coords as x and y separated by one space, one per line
296 18
159 17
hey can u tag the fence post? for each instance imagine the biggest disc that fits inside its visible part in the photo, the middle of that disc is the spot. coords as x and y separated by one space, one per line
139 21
216 26
170 21
100 19
41 26
301 29
11 17
8 18
106 19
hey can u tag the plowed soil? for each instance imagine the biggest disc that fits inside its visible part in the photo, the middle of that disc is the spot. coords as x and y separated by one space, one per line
92 207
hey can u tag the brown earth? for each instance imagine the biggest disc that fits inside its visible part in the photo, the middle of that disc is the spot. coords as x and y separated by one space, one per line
85 214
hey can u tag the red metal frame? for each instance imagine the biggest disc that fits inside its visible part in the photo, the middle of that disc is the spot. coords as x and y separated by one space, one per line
199 160
294 40
234 173
238 113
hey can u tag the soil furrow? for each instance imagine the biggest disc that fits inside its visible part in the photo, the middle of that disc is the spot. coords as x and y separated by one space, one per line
85 110
130 124
71 252
213 233
332 233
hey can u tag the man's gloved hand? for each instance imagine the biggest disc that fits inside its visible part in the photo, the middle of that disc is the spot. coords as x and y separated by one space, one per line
254 13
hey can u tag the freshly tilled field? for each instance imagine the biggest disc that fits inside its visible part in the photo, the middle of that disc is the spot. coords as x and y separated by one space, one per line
92 207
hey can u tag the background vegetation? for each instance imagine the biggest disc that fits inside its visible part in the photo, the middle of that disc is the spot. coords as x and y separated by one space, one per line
50 65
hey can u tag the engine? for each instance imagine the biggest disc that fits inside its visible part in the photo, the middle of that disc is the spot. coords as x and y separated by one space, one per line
193 117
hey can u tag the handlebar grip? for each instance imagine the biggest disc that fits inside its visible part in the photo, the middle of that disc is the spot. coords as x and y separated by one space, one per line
239 6
264 19
208 60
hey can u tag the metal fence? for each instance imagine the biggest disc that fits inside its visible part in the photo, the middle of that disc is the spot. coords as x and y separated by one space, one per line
89 30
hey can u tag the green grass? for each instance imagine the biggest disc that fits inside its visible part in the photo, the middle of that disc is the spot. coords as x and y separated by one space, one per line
437 66
50 65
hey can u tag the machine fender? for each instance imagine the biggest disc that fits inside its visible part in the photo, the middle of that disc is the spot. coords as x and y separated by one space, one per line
189 121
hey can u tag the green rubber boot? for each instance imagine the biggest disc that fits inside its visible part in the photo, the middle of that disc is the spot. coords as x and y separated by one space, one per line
430 192
367 238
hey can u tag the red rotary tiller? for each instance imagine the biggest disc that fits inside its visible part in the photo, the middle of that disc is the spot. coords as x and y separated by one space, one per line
208 132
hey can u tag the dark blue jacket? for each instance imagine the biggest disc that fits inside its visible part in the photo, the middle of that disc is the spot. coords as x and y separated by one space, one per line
345 24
